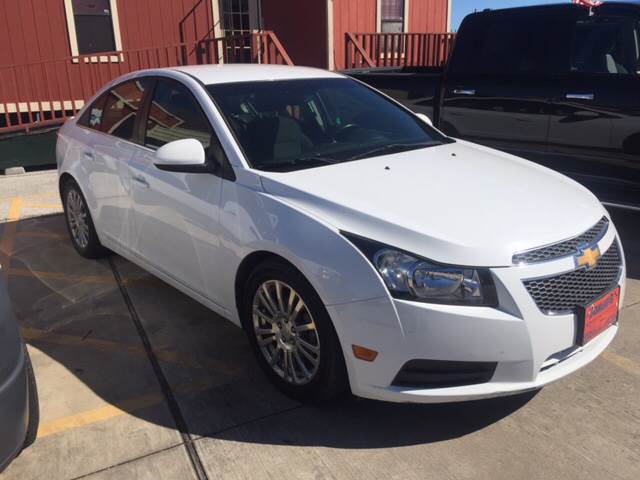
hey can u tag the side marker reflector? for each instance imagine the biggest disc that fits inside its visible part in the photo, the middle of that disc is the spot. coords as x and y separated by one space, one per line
363 353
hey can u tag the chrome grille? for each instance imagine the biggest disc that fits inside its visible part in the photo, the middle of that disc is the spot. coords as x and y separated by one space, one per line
563 293
565 248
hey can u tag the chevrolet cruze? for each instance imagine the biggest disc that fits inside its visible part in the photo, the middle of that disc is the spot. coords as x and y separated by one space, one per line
358 246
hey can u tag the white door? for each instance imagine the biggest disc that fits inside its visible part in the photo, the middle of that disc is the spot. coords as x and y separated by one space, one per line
177 228
110 152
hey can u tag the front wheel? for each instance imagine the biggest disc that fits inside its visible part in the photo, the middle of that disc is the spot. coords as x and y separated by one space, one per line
292 335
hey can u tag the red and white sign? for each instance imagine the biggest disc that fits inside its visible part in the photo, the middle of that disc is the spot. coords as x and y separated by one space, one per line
588 3
600 315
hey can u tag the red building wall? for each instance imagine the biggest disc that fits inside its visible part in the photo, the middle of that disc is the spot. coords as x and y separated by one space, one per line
428 16
33 30
351 16
36 30
359 16
301 26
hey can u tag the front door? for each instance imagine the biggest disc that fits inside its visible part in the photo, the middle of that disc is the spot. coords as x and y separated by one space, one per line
595 118
176 213
498 88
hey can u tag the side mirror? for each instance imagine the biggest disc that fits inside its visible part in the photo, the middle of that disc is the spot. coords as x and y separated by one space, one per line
425 119
185 155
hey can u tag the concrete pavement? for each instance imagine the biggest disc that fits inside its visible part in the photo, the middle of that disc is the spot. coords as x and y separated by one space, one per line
138 381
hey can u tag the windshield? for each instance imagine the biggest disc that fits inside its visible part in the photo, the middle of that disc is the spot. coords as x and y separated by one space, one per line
290 125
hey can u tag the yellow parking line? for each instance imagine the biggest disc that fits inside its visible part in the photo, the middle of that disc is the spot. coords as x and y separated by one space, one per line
166 356
98 415
8 236
623 363
102 414
57 206
93 279
100 279
53 236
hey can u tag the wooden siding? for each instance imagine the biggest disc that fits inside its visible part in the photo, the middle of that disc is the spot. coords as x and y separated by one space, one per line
301 26
351 16
35 30
35 40
428 16
359 16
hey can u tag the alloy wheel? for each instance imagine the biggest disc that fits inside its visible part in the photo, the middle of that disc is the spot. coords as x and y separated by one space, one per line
77 217
286 332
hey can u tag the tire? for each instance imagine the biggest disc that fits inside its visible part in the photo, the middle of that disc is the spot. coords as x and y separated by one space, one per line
79 222
293 336
34 405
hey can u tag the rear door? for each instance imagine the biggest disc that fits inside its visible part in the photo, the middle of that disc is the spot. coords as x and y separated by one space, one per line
497 90
177 229
112 118
595 118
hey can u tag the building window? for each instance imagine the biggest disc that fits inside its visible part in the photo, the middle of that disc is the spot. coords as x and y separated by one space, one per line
235 15
93 26
392 16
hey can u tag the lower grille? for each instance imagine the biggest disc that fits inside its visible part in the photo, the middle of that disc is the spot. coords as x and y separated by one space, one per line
442 373
563 293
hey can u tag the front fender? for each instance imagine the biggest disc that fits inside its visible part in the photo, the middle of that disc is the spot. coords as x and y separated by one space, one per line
255 221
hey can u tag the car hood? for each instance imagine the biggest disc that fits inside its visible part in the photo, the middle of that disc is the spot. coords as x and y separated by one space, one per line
457 203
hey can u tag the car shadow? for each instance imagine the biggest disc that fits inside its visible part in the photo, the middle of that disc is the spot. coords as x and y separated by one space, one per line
72 311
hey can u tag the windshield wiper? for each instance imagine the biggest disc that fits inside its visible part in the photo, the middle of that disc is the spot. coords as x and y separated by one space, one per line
399 147
303 162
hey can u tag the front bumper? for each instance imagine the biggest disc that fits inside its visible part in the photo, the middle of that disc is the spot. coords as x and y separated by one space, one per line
531 349
14 411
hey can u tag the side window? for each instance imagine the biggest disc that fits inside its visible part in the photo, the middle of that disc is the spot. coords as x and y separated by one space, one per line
606 44
92 116
121 108
175 114
496 44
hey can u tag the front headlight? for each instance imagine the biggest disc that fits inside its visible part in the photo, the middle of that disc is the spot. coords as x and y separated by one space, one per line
410 277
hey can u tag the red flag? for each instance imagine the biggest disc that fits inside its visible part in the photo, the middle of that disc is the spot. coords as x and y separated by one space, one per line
588 3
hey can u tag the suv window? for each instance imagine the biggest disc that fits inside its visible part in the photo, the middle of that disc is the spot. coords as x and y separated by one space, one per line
175 114
501 44
92 116
606 44
121 108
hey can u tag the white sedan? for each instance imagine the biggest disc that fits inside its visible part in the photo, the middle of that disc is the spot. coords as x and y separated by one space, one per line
358 246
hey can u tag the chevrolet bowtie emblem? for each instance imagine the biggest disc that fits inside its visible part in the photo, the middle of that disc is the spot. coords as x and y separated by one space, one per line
587 257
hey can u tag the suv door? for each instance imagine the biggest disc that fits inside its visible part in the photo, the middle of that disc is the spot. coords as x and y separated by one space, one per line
177 229
595 119
497 90
108 141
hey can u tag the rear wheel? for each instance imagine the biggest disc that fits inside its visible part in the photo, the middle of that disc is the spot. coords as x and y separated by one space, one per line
79 222
292 335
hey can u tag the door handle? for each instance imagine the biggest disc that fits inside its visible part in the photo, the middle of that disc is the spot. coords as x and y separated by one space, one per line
464 91
580 96
89 156
141 180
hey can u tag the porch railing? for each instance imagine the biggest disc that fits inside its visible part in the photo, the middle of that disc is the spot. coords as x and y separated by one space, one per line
45 93
363 50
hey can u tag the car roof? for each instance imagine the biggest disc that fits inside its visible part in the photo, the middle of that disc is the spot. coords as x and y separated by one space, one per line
606 6
212 74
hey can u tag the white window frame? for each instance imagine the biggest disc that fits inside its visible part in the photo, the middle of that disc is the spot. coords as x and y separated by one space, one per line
405 20
73 37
